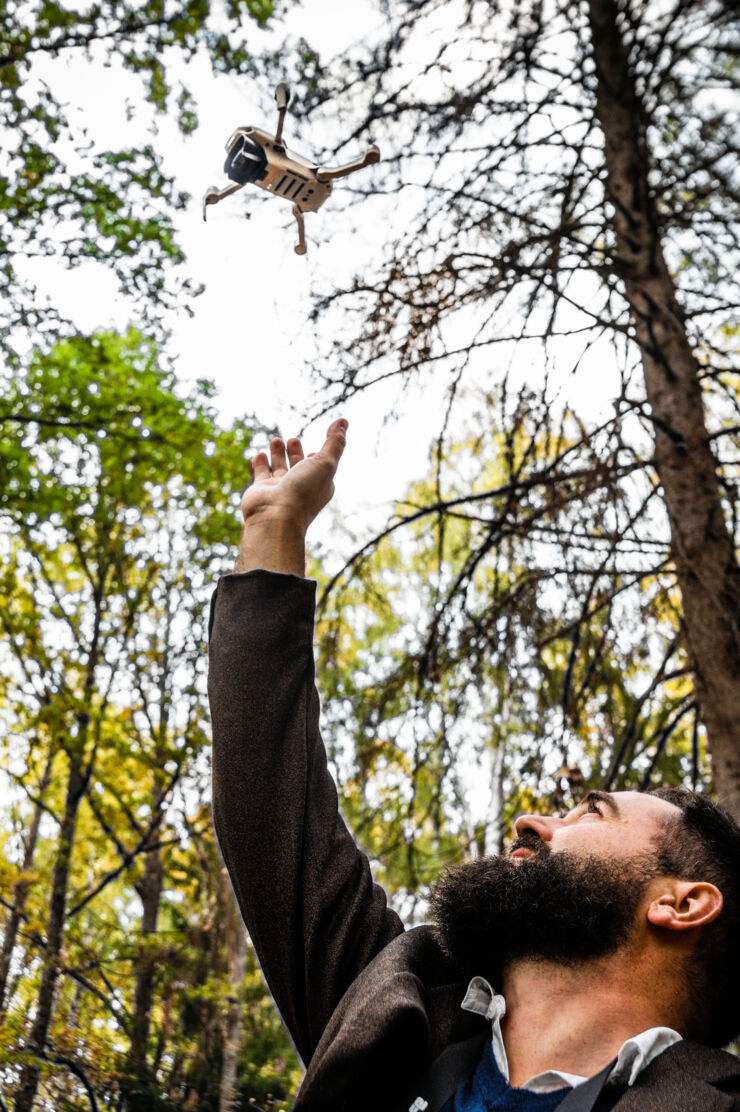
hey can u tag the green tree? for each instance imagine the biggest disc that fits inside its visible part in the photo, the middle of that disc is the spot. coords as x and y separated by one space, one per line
61 197
117 525
482 656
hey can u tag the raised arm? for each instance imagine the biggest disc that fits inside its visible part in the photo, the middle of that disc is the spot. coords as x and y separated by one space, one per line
304 888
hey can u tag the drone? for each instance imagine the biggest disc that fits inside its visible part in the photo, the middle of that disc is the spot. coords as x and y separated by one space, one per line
254 156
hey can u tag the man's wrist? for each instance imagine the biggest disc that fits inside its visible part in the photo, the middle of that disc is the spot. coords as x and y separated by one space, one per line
272 543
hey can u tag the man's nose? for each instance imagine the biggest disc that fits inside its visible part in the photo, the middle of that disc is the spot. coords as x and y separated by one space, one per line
543 826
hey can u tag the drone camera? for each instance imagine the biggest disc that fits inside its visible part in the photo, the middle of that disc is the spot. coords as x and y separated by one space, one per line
246 161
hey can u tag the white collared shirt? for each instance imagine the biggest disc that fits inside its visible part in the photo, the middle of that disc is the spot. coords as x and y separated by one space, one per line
634 1055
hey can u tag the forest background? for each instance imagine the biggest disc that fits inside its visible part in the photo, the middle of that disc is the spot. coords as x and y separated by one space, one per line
529 580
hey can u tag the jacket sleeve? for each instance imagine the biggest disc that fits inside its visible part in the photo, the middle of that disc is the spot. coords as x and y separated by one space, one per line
314 915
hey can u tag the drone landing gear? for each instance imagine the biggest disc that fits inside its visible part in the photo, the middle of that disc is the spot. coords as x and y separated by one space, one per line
300 247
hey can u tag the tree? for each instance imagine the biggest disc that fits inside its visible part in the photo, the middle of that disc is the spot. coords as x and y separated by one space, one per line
567 171
117 526
483 657
62 198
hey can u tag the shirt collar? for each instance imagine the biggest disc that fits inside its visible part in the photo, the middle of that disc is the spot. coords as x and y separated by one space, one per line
634 1055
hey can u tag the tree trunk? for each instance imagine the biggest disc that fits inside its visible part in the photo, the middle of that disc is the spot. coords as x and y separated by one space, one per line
203 1073
150 891
493 837
62 1088
77 784
235 937
20 889
137 1086
702 547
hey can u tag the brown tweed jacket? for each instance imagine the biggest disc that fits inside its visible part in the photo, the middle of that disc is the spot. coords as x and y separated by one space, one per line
368 1005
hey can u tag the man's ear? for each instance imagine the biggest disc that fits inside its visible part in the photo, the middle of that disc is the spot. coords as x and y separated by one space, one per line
685 904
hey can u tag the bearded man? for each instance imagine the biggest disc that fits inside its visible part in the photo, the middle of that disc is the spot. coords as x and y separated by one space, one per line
595 966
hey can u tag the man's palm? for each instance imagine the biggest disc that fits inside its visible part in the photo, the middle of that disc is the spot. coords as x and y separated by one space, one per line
291 486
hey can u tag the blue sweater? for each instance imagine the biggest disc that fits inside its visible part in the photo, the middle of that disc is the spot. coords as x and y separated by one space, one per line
489 1091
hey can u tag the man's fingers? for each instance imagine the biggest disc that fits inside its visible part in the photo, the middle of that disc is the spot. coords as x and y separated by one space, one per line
260 467
282 453
278 460
295 451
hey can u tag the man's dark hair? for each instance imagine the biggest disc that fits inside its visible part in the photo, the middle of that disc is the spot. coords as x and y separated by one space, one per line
703 843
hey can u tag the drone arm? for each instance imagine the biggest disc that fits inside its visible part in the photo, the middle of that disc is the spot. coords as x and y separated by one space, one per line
332 173
213 195
282 96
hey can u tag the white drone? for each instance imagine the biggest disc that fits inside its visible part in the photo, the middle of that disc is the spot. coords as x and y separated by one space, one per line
252 155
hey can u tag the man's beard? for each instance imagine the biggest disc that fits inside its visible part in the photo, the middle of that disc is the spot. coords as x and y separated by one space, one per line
558 907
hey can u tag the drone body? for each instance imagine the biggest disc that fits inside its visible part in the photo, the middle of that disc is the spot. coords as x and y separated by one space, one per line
254 156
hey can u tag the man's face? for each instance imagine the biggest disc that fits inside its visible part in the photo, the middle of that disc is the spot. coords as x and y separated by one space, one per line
568 891
611 825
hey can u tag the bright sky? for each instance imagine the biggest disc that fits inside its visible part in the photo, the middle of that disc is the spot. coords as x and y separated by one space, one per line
248 326
249 329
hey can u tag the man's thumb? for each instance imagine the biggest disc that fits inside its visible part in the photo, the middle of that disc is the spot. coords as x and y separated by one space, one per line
335 439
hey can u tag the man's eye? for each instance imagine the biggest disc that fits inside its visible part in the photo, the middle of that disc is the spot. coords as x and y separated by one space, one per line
594 807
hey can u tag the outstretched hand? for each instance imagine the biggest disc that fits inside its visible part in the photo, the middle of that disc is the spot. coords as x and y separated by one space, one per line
289 487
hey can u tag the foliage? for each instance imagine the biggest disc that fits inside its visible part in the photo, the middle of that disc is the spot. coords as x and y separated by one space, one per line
493 153
544 251
63 198
117 524
502 645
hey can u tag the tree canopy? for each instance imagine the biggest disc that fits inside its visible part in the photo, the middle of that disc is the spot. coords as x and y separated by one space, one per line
566 176
121 940
553 605
502 648
64 197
